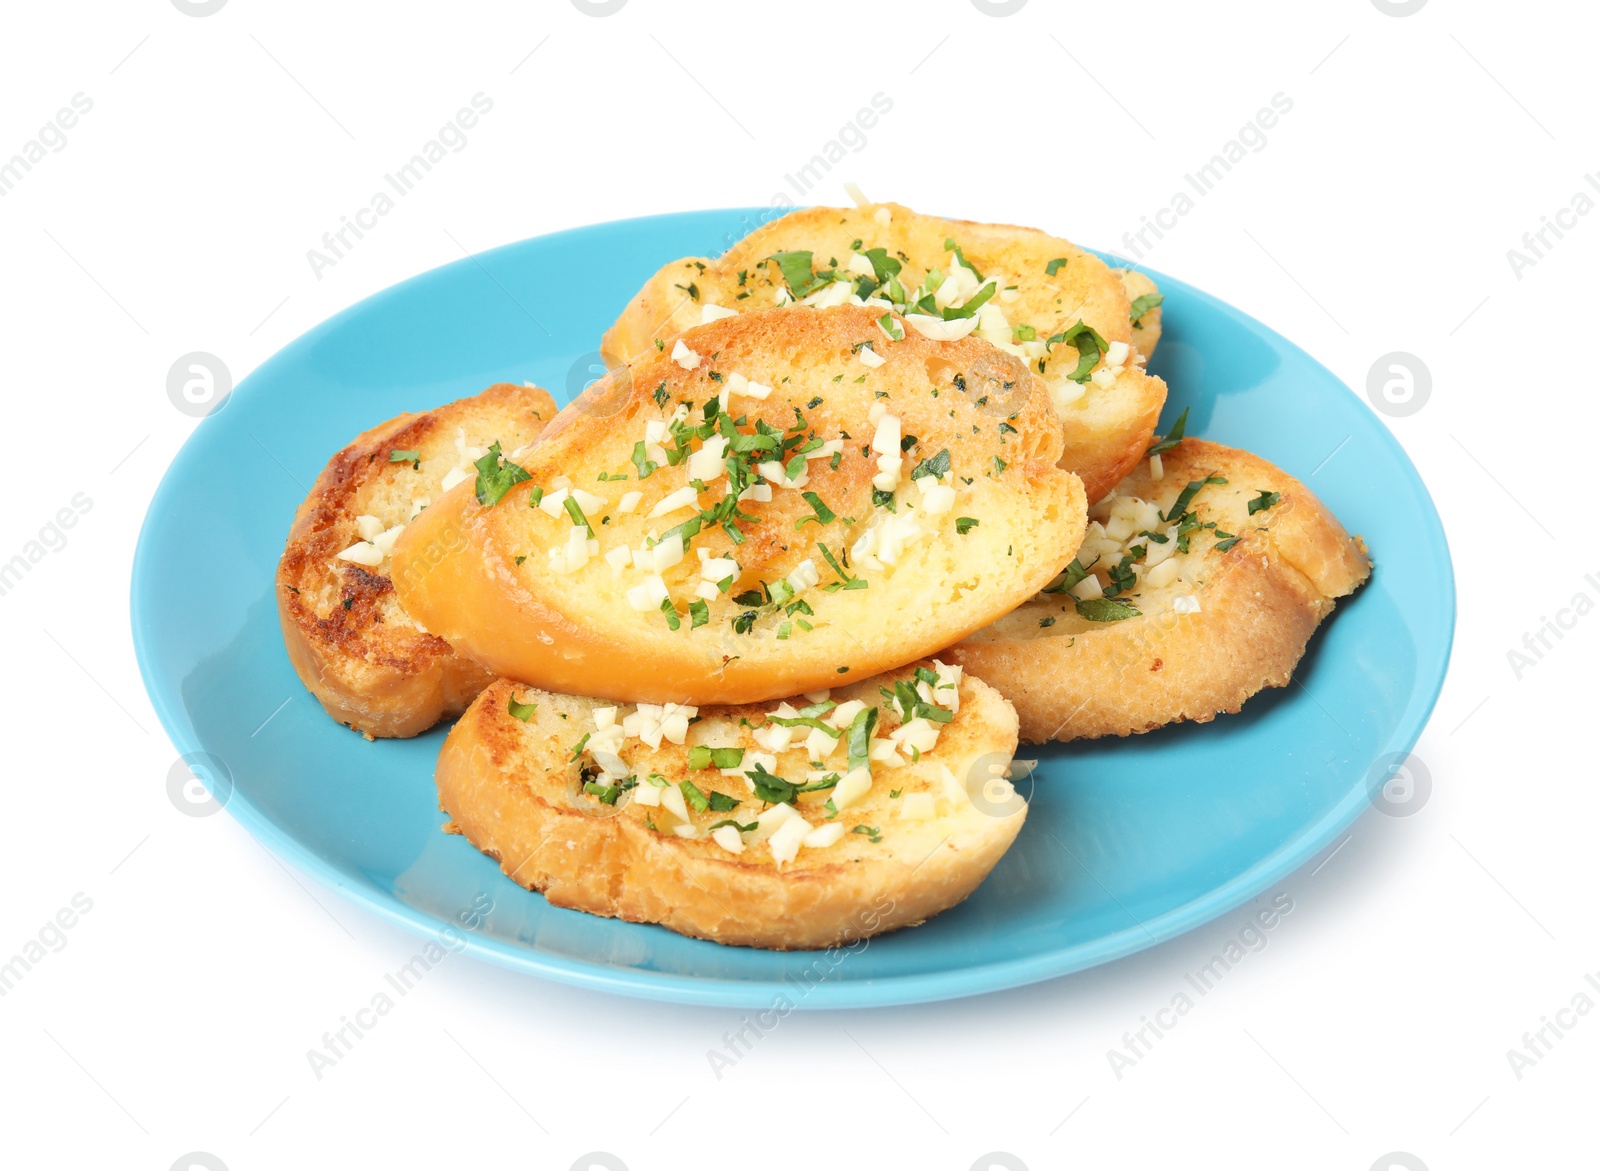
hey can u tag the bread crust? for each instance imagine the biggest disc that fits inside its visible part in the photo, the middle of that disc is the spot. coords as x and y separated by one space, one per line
1106 428
1260 601
513 790
372 667
481 577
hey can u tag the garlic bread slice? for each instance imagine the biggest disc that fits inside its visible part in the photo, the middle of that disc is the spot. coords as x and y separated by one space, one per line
371 666
796 825
1052 305
778 502
1198 584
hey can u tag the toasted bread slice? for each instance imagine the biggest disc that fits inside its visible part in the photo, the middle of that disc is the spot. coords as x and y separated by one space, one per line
928 503
1207 628
1045 287
572 799
372 667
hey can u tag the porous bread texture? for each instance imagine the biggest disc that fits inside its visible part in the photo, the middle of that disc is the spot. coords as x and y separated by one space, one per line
366 661
499 584
1107 420
1234 617
516 789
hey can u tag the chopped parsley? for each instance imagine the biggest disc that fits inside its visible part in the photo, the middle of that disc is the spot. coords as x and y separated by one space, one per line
1181 504
1055 266
1121 574
1090 346
833 563
701 756
644 466
860 736
1068 578
965 524
414 458
1105 609
671 612
521 711
809 718
824 513
884 266
575 511
1263 502
1143 304
772 789
496 475
972 304
692 794
934 465
797 274
1172 438
961 258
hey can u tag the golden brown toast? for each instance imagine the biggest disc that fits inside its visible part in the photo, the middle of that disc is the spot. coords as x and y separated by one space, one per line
352 645
1054 306
1187 635
778 502
736 828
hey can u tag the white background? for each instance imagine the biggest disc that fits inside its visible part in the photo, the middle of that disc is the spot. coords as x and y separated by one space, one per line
1377 218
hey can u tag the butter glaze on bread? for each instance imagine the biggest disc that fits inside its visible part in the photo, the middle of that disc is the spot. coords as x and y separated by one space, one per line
516 789
487 578
352 645
1259 600
1046 285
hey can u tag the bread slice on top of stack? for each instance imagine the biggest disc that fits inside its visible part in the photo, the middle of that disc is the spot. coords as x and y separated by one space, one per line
1083 327
779 502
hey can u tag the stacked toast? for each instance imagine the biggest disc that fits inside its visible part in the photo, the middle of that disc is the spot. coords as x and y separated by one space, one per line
743 640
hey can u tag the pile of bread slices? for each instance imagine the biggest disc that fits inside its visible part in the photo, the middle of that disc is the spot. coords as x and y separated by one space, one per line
743 640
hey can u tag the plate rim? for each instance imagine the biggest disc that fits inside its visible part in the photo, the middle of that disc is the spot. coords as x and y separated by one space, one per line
887 991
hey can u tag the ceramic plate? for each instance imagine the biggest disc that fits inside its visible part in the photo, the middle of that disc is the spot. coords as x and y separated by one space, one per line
1129 842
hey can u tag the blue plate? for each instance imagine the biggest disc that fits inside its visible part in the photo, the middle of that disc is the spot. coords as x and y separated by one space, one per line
1128 843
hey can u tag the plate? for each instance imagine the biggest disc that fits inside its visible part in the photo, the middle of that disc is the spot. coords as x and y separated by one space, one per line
1129 842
